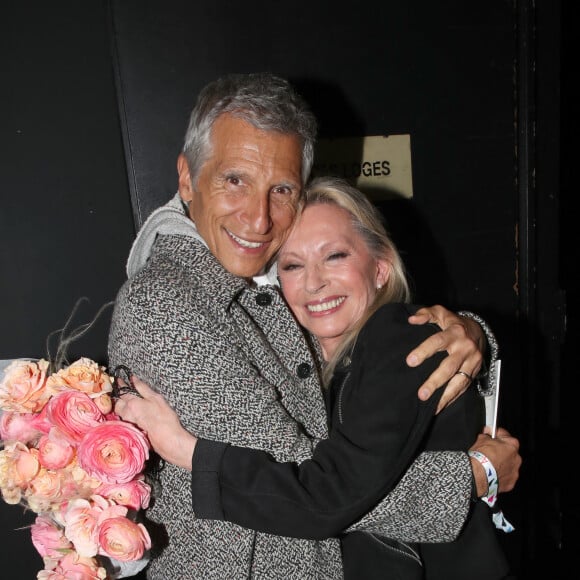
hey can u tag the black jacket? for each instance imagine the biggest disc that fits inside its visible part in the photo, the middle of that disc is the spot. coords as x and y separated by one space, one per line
377 426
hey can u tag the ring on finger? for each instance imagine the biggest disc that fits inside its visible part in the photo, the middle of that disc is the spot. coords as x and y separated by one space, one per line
466 375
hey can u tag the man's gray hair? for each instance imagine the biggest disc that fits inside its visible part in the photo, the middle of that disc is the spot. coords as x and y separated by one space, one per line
268 102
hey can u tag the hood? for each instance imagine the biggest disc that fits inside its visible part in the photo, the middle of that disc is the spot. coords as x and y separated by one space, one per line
167 219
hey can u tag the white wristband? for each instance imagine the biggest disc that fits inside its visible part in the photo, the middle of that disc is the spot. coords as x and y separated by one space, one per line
492 481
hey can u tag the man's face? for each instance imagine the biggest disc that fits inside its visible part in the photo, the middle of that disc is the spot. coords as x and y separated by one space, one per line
246 195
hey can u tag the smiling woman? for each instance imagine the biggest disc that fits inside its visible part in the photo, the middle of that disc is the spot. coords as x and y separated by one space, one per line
328 275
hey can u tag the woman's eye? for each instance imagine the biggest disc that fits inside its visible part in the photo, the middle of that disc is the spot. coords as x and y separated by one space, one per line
290 267
337 256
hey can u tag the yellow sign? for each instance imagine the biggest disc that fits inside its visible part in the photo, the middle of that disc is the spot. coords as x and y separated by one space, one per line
379 165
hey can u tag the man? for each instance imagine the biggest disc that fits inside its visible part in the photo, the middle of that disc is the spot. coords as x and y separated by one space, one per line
202 319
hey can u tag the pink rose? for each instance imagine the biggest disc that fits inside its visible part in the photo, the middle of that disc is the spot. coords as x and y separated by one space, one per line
18 427
46 489
114 452
122 539
55 452
23 387
74 414
134 494
72 567
80 482
49 539
84 375
18 465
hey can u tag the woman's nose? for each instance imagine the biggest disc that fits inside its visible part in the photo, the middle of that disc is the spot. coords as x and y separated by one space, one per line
314 279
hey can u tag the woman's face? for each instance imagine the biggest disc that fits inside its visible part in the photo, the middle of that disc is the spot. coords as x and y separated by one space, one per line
328 275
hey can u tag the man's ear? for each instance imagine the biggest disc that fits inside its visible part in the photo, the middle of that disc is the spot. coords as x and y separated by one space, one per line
185 186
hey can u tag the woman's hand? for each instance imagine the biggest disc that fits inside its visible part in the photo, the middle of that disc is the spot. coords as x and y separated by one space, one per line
151 413
503 452
464 341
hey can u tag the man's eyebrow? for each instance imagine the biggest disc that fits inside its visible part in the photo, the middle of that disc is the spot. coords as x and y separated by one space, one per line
290 184
233 171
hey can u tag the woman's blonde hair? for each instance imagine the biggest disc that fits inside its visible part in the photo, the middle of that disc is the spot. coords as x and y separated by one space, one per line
368 222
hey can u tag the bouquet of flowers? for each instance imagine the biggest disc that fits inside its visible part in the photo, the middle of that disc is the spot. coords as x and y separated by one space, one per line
67 457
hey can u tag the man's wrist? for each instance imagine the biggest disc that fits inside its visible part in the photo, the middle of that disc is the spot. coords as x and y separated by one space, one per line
486 477
485 379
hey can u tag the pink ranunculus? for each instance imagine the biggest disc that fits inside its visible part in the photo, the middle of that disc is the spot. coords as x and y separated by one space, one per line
48 538
114 452
82 519
81 525
134 494
18 427
123 539
72 567
55 452
84 375
23 387
41 422
74 414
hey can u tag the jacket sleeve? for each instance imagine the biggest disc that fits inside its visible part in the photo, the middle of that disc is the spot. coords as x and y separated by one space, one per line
379 433
430 503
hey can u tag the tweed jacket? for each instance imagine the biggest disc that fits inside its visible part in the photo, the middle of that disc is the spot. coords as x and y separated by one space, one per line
230 358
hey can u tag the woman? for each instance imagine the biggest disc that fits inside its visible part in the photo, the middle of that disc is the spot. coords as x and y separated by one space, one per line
344 280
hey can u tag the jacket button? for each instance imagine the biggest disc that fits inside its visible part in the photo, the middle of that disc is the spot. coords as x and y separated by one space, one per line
304 370
263 299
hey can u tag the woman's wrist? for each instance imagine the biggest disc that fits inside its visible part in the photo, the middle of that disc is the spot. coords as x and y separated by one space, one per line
179 449
189 442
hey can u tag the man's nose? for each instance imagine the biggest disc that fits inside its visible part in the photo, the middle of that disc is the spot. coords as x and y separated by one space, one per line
257 213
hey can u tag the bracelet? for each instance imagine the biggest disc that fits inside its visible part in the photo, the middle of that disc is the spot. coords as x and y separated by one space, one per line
492 481
485 379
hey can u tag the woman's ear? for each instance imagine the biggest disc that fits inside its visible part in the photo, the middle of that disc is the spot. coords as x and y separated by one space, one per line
383 272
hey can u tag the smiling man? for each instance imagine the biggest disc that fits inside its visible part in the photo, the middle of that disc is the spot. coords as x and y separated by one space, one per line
246 194
201 318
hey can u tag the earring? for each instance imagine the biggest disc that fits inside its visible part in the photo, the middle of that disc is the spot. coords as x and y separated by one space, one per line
379 286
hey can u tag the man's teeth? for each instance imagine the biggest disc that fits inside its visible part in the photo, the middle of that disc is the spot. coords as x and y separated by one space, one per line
245 243
326 305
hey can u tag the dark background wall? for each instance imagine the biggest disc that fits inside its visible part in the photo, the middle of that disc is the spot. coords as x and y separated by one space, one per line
65 214
66 222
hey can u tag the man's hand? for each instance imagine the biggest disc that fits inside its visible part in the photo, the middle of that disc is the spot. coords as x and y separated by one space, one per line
464 341
151 413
